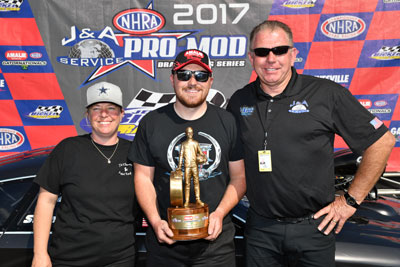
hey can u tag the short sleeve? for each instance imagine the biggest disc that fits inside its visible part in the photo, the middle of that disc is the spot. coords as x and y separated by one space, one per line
50 174
139 151
354 123
237 147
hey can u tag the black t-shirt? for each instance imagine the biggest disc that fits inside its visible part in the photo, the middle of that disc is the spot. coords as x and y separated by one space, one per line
301 124
95 219
157 143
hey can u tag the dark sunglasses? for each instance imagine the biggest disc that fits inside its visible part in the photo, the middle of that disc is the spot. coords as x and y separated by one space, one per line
277 51
185 75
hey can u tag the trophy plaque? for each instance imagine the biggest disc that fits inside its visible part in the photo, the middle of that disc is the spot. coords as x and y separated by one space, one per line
188 221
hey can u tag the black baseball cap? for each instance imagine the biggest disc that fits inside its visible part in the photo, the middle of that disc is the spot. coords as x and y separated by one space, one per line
192 56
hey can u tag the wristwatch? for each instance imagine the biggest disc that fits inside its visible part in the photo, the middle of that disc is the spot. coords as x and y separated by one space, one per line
351 201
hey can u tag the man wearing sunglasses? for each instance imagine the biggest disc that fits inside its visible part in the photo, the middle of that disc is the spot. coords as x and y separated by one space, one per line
155 153
288 122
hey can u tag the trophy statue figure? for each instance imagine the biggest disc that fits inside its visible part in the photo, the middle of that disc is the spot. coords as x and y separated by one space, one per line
188 221
192 156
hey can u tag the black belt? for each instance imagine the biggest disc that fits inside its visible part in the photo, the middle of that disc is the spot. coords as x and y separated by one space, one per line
295 220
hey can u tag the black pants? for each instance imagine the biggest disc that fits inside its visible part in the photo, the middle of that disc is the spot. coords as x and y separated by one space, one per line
272 243
129 262
218 253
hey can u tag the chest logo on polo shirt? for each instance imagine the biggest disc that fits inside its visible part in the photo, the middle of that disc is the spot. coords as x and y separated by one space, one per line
299 107
246 111
212 151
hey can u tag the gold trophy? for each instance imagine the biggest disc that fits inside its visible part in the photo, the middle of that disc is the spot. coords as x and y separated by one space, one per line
188 221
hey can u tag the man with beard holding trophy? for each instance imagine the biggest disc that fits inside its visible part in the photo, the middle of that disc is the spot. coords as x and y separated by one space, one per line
155 153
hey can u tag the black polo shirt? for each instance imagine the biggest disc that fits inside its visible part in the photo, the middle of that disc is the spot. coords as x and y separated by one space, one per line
300 124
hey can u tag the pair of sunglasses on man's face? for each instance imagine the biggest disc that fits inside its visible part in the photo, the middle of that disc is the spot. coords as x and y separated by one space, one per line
185 75
277 51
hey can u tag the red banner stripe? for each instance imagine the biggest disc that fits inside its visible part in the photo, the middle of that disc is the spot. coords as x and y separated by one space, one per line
19 32
9 114
383 80
346 6
320 55
33 86
43 136
303 26
384 25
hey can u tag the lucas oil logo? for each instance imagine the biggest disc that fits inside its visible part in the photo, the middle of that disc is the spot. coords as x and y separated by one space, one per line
343 27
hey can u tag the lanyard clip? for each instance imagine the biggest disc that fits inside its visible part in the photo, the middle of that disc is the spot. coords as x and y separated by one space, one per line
265 141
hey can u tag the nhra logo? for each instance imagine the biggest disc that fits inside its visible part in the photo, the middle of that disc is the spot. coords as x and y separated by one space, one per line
16 55
10 139
366 103
35 55
380 103
299 3
139 21
343 27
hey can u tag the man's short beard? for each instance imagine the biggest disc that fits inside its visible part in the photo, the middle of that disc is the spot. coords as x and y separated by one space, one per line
190 104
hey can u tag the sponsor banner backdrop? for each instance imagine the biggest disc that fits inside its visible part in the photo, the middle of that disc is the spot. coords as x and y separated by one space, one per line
51 51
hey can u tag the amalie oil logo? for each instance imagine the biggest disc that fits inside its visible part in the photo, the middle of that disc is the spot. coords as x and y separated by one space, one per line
10 139
16 55
343 27
366 103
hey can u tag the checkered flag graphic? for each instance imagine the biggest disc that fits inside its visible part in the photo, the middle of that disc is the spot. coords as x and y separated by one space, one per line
146 98
390 49
11 3
56 110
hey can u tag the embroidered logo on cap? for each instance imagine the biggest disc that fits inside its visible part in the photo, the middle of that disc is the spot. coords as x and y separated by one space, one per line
103 90
194 54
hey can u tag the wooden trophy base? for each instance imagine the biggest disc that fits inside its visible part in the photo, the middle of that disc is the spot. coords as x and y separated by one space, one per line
188 223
